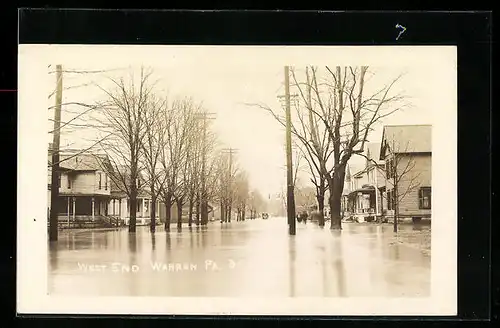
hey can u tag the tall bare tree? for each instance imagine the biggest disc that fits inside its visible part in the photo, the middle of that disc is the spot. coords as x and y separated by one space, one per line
241 186
346 112
157 118
175 154
124 118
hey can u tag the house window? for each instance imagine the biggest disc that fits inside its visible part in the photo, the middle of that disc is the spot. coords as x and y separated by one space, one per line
105 182
58 180
390 196
100 180
388 169
424 196
69 182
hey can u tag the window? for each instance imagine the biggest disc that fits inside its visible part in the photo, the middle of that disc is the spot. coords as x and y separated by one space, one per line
390 200
58 180
69 182
389 169
100 180
424 197
105 182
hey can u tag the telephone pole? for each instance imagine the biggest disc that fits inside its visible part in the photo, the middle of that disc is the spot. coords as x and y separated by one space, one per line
204 201
54 184
290 202
229 151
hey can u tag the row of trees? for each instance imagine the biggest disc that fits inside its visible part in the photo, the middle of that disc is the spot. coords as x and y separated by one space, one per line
166 148
333 117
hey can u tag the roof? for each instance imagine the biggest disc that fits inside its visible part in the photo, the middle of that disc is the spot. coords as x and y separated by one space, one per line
372 151
406 139
80 162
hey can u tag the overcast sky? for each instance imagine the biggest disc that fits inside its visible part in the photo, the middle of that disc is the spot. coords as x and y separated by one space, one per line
225 88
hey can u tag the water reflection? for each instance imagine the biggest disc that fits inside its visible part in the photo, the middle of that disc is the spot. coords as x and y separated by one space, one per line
417 227
132 242
191 239
338 262
153 241
53 256
358 261
178 239
291 263
203 237
169 242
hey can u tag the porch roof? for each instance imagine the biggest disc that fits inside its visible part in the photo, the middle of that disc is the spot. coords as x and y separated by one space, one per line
364 189
82 194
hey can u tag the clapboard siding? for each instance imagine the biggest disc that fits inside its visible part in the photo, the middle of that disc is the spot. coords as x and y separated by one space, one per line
422 175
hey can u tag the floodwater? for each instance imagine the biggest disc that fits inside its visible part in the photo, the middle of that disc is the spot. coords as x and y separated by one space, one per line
254 258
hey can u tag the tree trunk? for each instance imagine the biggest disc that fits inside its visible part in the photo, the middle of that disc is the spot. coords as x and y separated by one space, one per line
198 209
190 213
179 203
133 211
153 211
221 211
168 213
204 211
320 197
243 212
336 186
229 209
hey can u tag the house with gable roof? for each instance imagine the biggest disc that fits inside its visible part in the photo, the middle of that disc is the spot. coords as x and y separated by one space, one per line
363 190
407 152
89 193
84 187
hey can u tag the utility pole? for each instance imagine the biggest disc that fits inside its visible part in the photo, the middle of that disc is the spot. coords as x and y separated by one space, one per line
204 201
54 184
289 176
230 151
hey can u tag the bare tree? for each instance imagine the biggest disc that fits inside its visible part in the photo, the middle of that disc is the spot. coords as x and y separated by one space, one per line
257 203
347 113
175 154
156 119
241 186
193 184
399 173
123 117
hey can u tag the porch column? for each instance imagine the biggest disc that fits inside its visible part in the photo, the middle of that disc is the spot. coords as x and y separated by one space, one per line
93 208
143 207
74 208
68 198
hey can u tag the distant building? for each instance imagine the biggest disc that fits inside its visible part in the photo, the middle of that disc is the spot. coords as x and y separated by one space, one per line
411 147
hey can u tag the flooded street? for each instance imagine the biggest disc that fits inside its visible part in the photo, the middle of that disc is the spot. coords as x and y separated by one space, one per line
242 259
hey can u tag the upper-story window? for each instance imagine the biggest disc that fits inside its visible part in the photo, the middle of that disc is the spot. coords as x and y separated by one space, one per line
69 181
105 182
389 168
100 180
